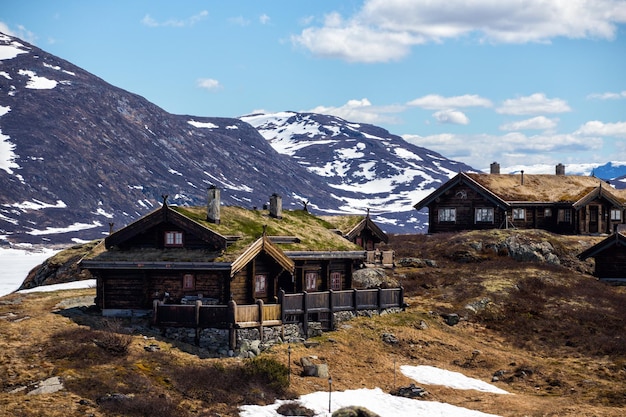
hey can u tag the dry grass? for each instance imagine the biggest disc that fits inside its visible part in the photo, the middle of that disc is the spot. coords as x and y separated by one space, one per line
554 335
541 187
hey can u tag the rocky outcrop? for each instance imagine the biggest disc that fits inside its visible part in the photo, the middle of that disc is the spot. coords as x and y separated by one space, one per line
367 278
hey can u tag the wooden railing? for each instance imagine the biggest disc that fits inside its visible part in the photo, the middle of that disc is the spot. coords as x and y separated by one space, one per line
292 308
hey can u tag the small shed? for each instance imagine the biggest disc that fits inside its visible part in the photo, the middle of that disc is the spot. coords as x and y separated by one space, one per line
610 257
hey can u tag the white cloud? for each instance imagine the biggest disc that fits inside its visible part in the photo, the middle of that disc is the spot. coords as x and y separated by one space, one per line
597 128
264 19
21 32
535 123
437 102
362 111
451 117
190 21
607 96
534 104
208 84
239 20
509 149
392 27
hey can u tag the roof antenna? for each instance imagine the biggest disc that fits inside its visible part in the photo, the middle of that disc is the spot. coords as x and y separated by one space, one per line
368 213
164 197
305 203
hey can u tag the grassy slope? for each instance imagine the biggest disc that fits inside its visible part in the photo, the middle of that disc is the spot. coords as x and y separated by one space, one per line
556 335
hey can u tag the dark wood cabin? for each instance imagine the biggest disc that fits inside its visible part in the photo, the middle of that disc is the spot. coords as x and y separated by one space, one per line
610 258
565 204
360 230
176 255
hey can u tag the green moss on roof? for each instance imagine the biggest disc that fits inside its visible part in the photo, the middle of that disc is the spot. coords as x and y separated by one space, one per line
315 233
343 223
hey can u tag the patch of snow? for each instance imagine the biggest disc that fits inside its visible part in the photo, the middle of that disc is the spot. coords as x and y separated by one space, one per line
173 171
57 68
38 205
207 125
100 211
7 156
74 285
232 127
375 400
71 228
11 51
5 75
15 264
435 376
38 83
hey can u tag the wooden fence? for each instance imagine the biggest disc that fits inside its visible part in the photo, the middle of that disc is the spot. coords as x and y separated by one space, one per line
291 308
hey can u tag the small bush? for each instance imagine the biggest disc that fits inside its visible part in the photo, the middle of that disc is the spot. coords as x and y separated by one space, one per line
113 340
268 371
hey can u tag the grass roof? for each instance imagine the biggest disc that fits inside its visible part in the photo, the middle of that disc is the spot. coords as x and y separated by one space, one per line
343 223
314 233
541 187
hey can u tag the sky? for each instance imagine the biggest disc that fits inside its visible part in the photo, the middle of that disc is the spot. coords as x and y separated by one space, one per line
520 82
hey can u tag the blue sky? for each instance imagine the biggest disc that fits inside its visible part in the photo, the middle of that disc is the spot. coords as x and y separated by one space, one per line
521 82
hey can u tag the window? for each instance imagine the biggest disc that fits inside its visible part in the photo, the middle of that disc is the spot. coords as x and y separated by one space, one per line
173 238
335 281
484 215
260 284
519 214
189 282
616 214
447 214
565 216
547 212
311 281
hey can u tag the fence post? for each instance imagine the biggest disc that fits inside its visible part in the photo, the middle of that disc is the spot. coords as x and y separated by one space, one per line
155 311
259 303
331 307
197 318
305 314
401 300
281 301
232 321
380 299
355 306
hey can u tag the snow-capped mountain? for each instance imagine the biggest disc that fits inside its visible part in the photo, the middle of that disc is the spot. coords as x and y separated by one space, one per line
78 154
388 173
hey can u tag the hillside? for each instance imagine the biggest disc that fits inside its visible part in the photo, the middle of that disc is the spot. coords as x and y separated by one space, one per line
77 154
550 332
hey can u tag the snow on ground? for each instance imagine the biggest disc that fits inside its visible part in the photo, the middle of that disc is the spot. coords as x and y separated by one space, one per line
387 405
435 376
74 285
15 264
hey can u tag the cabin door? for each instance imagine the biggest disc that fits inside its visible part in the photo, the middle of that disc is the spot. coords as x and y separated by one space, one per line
593 219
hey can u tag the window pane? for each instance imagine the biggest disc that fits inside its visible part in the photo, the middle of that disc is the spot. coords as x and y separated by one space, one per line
484 215
311 281
447 214
260 281
335 281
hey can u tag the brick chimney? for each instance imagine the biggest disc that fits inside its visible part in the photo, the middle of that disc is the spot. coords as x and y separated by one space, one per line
560 169
276 206
494 168
213 205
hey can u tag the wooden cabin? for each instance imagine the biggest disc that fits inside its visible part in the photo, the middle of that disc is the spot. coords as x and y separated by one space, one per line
218 253
559 203
610 257
360 230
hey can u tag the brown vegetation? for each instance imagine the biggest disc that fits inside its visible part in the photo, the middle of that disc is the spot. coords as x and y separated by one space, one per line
553 336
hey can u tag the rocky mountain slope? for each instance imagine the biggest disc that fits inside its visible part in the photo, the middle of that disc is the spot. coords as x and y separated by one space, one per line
77 154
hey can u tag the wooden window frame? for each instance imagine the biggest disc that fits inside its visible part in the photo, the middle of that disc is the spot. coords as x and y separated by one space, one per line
335 281
189 282
547 212
308 276
485 213
565 215
176 241
260 284
519 213
447 215
616 214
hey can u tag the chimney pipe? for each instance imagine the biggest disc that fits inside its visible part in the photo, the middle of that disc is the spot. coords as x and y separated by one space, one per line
213 205
494 168
522 172
276 206
560 169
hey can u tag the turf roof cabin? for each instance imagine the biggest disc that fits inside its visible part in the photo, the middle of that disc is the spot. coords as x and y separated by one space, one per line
610 257
359 230
184 254
566 204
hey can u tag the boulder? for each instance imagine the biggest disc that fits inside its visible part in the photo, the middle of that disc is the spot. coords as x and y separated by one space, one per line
354 411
